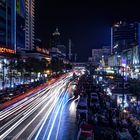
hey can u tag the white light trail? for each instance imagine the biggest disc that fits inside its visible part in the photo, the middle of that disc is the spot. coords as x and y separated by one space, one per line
42 125
59 123
29 105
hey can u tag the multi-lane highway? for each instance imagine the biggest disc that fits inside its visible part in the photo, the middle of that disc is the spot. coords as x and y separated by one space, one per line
38 116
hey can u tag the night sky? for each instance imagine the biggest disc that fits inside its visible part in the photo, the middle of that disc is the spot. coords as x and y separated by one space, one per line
86 22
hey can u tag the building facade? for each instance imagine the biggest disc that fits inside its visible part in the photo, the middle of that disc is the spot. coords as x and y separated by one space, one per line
124 36
16 34
126 43
12 24
125 46
20 24
7 25
29 24
57 50
100 56
7 39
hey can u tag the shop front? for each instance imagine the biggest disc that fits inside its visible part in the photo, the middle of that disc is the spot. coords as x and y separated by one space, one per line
7 56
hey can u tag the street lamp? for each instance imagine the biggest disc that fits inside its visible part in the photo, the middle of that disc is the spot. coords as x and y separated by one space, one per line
123 96
3 73
123 89
118 62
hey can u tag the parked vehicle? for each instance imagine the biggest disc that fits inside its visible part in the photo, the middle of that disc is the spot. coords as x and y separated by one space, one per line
125 135
85 132
82 108
94 101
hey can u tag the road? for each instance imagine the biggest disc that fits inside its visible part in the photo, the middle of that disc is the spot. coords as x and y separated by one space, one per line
40 115
62 123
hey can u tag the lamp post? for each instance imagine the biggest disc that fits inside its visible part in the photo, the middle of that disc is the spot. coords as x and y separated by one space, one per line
123 68
3 74
123 89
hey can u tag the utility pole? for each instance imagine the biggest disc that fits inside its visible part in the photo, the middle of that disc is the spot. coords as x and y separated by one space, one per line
75 57
3 75
70 54
123 89
6 23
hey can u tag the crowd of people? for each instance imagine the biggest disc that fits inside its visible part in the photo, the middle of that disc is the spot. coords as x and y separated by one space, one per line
108 120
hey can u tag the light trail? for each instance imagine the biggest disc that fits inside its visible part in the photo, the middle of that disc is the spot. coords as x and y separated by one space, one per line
25 108
24 112
52 120
42 125
21 103
19 121
26 115
48 112
52 126
59 124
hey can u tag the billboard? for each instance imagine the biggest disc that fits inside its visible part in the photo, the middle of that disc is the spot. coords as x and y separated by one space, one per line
18 6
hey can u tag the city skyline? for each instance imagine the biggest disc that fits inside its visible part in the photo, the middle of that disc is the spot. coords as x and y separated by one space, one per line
86 23
69 70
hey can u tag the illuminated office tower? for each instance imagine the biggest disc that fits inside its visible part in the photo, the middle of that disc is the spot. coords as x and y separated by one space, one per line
29 24
8 24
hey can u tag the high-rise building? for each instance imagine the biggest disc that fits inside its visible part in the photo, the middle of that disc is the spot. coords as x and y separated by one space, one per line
99 55
126 43
57 49
55 38
12 24
124 36
29 24
20 24
7 24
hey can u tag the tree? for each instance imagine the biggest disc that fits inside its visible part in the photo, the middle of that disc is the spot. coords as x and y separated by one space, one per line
32 65
43 65
56 65
68 66
20 66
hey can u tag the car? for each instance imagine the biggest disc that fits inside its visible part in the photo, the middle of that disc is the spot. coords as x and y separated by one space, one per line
93 94
82 107
85 132
94 101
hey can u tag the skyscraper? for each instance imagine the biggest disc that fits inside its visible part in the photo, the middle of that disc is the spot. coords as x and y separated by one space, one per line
12 24
125 47
20 24
8 24
124 36
55 38
57 49
29 24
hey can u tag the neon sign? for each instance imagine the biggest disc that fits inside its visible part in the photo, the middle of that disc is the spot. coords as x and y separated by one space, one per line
42 50
6 50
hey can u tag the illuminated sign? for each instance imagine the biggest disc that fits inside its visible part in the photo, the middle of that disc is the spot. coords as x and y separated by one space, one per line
18 6
5 50
42 50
